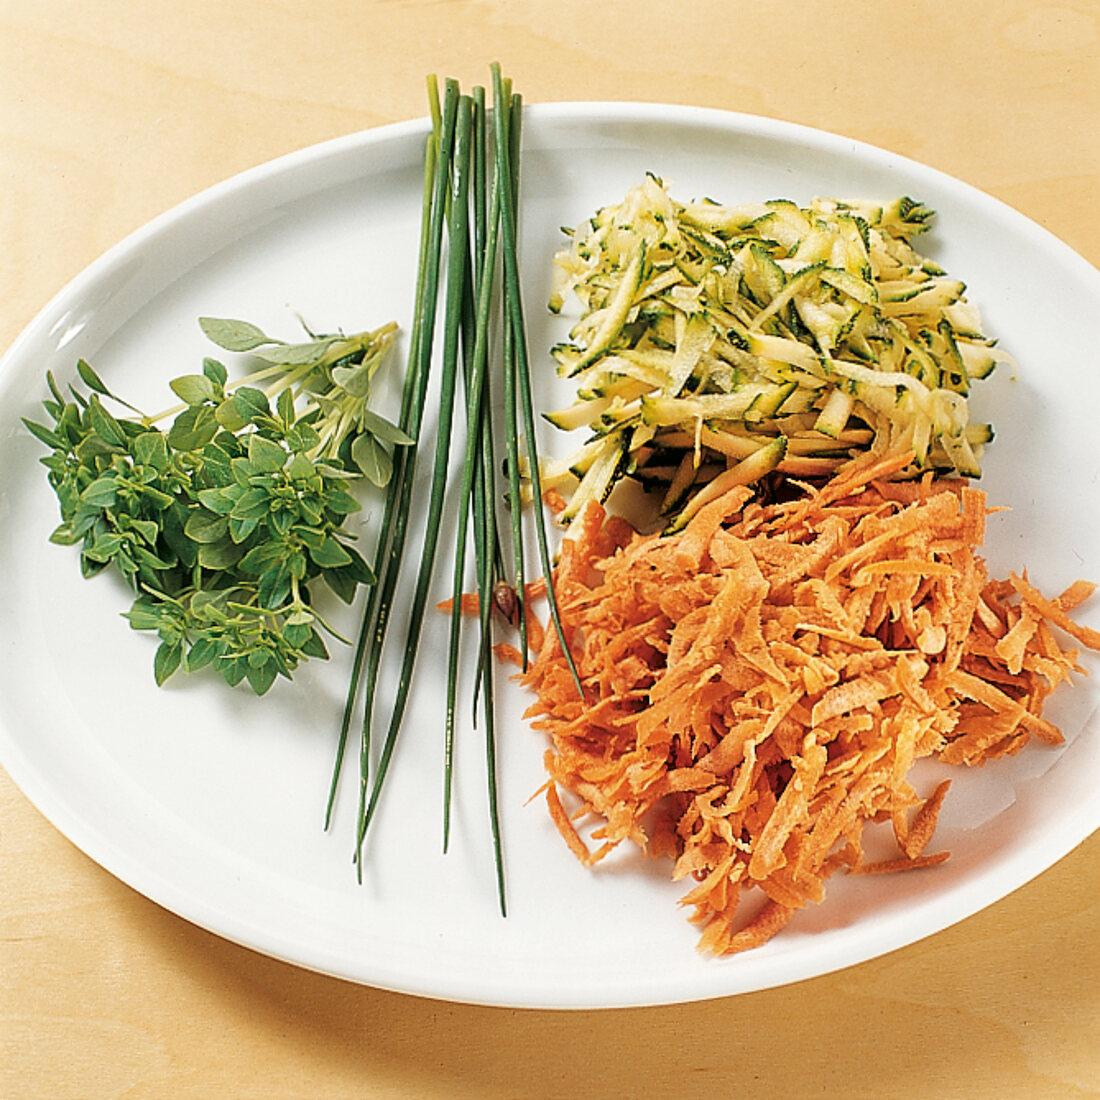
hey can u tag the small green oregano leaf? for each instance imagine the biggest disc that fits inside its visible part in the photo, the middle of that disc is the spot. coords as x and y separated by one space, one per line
229 417
372 459
166 660
151 449
251 403
215 371
193 428
284 407
265 456
90 378
234 335
193 388
353 380
295 355
383 429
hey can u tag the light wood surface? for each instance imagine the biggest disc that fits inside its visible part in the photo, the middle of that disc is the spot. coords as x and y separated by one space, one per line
112 111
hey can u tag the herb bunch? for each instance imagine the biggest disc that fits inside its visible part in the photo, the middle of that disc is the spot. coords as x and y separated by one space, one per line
468 282
221 524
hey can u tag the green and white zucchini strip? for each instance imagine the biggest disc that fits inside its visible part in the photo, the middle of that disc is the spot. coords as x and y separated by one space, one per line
788 338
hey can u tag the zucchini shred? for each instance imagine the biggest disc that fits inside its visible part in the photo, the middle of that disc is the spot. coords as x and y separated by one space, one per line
717 345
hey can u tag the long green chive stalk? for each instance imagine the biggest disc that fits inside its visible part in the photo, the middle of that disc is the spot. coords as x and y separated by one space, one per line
408 391
471 197
389 567
457 232
514 296
475 494
395 510
515 499
487 556
485 658
513 330
473 479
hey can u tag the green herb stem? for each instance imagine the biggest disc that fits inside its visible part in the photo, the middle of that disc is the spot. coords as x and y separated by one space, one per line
391 507
389 566
472 471
457 234
514 294
471 194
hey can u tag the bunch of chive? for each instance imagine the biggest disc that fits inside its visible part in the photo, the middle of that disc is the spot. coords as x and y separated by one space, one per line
471 189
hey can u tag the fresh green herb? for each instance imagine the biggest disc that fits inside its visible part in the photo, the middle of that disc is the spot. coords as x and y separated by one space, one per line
470 197
507 131
372 628
477 494
222 523
389 566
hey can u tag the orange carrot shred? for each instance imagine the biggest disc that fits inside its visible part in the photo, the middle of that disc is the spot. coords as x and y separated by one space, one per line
904 863
565 826
759 684
924 824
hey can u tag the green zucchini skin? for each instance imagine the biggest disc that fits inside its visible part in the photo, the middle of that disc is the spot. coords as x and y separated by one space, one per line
709 332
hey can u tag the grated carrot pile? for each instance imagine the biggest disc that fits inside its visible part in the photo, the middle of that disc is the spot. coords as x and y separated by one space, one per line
759 685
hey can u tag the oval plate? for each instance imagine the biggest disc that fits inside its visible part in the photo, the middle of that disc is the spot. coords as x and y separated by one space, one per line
210 801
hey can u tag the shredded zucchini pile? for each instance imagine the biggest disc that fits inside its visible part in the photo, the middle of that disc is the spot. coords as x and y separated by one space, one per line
719 343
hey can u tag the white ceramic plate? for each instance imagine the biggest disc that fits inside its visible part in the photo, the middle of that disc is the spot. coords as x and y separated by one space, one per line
210 801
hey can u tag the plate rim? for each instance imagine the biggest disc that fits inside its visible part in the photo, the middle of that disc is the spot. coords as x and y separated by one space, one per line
939 913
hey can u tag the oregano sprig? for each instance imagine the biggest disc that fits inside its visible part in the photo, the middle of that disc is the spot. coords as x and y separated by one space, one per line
223 522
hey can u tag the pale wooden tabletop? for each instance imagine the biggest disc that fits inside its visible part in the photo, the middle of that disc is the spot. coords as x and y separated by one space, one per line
112 111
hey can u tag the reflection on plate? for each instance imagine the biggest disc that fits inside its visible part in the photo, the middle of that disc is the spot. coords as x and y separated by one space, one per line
211 802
